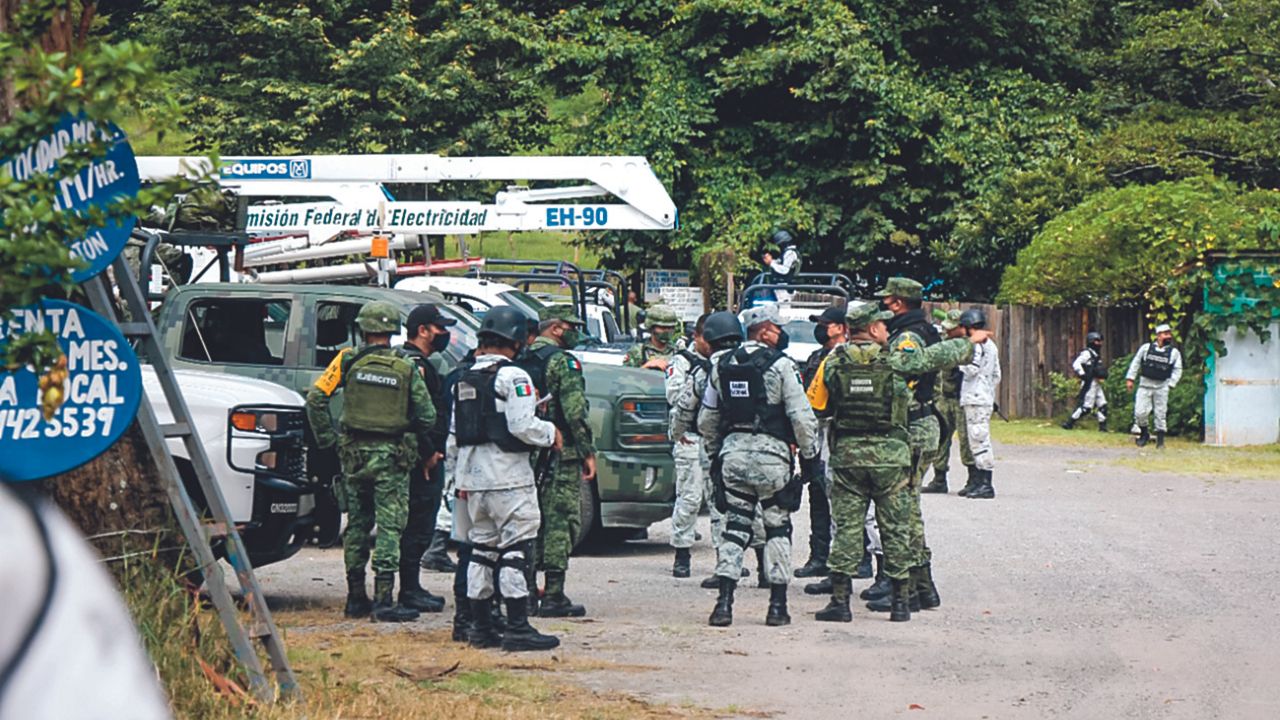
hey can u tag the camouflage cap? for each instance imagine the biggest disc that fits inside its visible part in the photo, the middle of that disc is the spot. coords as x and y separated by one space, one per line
563 313
948 319
661 315
860 315
379 317
902 287
760 314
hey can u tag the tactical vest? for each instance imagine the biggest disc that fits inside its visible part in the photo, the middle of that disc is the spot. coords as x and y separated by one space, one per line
535 362
648 352
476 419
1095 369
790 277
951 384
1158 362
921 385
376 392
696 361
811 365
744 404
864 399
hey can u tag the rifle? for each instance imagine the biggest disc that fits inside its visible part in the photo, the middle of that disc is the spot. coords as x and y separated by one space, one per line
544 468
996 407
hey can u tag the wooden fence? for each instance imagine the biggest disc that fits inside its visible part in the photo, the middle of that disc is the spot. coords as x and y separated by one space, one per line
1034 342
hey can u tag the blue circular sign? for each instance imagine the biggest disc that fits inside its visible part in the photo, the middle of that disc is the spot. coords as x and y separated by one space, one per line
109 178
101 391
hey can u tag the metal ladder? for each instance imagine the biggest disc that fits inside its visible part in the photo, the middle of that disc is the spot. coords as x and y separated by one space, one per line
198 532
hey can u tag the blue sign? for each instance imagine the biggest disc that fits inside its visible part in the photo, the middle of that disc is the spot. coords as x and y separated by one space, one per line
108 179
266 168
101 391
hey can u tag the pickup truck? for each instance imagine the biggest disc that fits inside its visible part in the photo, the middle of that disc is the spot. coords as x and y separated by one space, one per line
252 433
288 334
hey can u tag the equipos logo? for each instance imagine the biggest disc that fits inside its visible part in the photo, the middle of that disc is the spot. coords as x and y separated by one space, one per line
267 169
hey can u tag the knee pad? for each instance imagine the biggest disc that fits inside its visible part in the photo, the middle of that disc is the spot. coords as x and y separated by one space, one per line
781 531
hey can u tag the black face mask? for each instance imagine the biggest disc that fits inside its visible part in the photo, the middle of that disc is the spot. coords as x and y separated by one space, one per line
783 340
820 334
440 342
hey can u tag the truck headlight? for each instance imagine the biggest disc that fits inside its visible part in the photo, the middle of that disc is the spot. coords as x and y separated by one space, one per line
260 422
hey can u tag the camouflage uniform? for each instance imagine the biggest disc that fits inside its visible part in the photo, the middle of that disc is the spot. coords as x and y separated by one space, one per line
657 316
947 400
872 464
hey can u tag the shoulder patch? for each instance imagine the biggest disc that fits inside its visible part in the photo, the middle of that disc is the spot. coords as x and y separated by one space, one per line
523 388
573 363
907 344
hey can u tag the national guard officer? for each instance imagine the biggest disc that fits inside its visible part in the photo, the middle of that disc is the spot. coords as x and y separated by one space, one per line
722 332
950 417
1092 372
784 268
861 387
655 354
753 409
910 332
493 432
386 425
1160 365
426 333
977 400
557 375
686 451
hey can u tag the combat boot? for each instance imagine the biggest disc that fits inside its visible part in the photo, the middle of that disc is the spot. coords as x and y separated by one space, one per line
482 633
885 602
816 567
983 491
1143 437
777 614
926 591
1102 426
554 602
762 578
970 482
822 587
437 555
1069 424
711 582
1159 439
358 603
461 618
837 610
520 635
411 593
900 604
881 587
938 485
680 568
722 615
864 571
383 609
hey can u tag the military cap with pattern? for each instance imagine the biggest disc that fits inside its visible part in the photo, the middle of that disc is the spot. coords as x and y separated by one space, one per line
951 319
860 315
761 314
563 313
902 287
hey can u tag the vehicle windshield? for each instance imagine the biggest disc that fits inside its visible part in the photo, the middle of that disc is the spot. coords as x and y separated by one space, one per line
801 330
462 336
522 301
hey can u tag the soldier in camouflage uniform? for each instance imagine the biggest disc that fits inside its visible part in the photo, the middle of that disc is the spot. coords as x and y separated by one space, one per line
387 421
558 374
950 416
661 322
911 332
861 386
753 409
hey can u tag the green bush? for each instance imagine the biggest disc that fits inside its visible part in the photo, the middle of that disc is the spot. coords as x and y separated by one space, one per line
1186 401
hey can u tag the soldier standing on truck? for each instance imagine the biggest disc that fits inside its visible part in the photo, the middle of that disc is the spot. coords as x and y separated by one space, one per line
427 332
386 425
655 354
557 375
495 428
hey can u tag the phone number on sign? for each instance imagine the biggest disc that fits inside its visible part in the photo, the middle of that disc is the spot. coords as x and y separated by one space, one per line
24 423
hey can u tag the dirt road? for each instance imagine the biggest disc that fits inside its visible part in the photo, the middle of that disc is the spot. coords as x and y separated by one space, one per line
1086 590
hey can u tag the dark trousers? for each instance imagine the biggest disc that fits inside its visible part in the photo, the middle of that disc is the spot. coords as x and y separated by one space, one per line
819 522
424 503
460 575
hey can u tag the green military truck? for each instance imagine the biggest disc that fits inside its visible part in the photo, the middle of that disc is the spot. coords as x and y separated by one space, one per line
288 334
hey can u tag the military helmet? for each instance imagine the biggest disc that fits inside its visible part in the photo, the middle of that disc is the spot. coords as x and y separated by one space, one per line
379 317
660 316
973 318
1093 336
505 322
722 325
783 239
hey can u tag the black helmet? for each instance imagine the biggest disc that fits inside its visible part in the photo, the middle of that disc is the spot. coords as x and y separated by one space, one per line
722 325
973 318
783 239
1093 337
505 322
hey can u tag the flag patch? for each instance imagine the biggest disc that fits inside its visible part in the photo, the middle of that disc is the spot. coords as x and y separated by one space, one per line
523 389
574 364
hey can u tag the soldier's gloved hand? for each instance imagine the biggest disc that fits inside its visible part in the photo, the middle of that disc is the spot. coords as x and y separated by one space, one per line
812 469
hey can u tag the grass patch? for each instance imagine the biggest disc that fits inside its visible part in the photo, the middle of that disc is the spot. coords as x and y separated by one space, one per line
1182 456
535 245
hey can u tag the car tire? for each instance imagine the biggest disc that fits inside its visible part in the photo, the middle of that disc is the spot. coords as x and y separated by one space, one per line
589 515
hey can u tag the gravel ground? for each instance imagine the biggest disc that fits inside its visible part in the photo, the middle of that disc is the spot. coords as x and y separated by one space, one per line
1084 590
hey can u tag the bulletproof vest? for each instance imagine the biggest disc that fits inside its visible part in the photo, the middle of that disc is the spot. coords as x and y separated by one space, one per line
1095 368
648 352
921 385
535 362
790 277
696 361
861 381
951 386
476 419
1158 363
744 404
435 383
376 392
811 365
